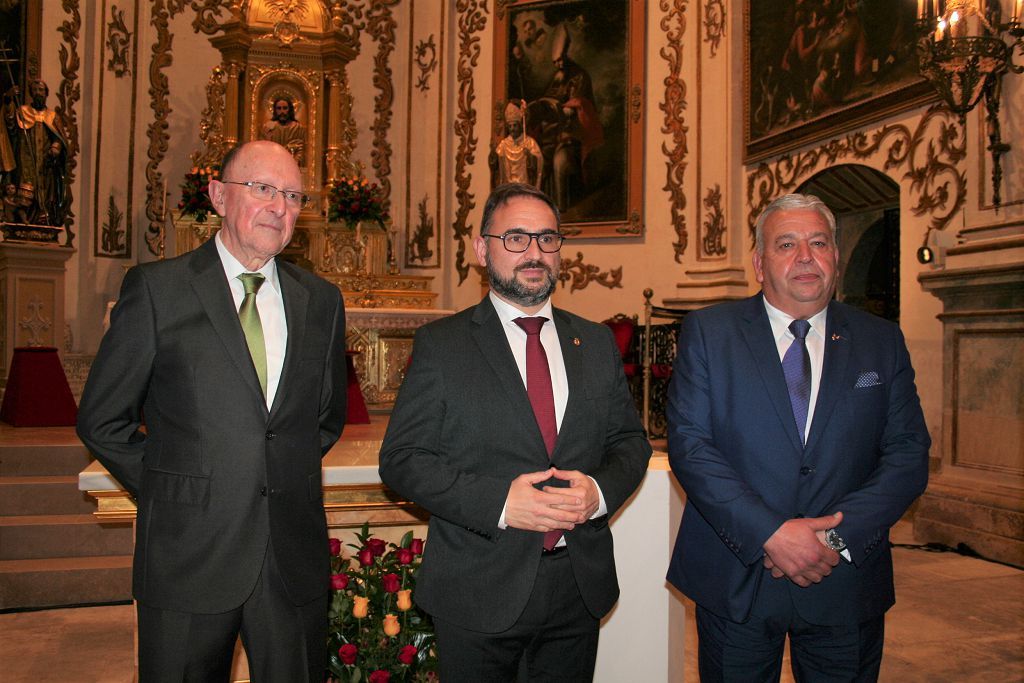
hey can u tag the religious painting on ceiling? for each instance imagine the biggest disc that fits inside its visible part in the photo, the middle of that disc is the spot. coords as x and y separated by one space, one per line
817 67
572 71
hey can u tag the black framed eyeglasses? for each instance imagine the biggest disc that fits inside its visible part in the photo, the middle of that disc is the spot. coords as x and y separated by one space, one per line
267 193
518 242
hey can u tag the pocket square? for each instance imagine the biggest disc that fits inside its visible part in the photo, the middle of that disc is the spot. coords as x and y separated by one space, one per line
868 378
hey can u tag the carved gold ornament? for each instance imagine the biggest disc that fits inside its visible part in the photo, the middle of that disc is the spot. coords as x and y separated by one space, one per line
472 19
928 162
673 24
68 95
581 274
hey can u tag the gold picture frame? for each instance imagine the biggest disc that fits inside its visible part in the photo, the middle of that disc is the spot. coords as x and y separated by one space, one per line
815 69
584 106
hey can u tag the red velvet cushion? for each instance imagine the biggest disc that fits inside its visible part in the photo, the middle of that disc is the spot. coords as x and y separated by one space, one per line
623 331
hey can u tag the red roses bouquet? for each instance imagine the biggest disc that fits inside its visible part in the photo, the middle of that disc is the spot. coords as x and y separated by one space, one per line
194 198
376 633
352 200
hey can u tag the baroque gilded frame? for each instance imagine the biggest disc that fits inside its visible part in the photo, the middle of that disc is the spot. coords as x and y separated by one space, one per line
867 103
630 223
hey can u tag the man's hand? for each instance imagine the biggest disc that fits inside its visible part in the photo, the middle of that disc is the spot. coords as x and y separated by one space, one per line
797 550
582 487
533 510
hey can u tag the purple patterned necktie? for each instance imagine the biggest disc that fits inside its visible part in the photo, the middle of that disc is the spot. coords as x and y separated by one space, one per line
542 397
796 365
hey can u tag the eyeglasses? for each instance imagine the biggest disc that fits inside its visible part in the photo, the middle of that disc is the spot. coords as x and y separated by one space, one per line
267 193
518 242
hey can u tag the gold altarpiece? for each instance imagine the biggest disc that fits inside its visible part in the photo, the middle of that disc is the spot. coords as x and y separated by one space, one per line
301 54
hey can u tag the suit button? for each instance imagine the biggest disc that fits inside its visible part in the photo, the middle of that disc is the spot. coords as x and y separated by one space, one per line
263 491
806 470
270 436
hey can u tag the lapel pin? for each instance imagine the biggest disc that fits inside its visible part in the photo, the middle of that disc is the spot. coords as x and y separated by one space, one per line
836 336
576 341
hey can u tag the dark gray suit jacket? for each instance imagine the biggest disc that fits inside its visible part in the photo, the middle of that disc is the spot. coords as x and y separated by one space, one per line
734 446
216 475
463 429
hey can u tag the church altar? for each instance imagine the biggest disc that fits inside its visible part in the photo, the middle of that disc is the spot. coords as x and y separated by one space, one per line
644 532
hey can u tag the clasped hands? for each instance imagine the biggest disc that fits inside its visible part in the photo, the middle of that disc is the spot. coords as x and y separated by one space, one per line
797 550
550 507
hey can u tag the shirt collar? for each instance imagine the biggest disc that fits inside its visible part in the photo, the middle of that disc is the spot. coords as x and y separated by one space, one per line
233 268
507 312
780 321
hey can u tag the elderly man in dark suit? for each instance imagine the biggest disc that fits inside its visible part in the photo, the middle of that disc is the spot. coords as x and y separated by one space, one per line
796 431
515 429
235 359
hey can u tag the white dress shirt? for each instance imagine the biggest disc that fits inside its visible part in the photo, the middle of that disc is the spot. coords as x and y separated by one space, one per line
271 307
815 342
516 336
815 349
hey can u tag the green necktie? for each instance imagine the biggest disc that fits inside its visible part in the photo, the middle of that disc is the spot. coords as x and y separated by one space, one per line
249 316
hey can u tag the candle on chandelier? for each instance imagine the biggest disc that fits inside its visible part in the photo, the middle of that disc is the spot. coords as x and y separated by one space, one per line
1017 9
920 9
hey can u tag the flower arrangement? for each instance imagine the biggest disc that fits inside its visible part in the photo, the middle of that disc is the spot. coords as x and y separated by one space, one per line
195 199
376 633
352 200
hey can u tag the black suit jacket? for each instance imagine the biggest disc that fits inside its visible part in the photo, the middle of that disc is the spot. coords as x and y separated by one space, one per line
734 446
215 474
463 429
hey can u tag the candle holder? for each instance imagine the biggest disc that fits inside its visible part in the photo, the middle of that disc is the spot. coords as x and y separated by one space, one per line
963 52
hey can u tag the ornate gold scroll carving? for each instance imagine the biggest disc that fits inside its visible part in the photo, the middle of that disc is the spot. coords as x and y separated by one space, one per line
211 122
119 40
472 20
162 13
67 95
673 24
381 26
581 274
713 240
929 162
714 23
426 62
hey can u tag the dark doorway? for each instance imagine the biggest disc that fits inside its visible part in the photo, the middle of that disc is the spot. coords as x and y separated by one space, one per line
866 205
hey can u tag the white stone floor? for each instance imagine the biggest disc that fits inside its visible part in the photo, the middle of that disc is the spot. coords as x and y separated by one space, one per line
956 619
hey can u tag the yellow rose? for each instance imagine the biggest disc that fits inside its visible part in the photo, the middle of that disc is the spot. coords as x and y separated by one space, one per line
405 600
361 607
391 626
195 169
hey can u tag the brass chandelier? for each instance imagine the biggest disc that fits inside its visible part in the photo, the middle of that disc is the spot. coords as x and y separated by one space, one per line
963 52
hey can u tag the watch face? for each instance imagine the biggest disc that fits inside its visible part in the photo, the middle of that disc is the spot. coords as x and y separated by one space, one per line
834 540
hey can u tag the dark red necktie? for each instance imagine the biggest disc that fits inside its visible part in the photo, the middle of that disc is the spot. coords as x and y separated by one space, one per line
542 397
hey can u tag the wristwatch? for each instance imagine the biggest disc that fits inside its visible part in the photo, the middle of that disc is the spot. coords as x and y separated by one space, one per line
834 540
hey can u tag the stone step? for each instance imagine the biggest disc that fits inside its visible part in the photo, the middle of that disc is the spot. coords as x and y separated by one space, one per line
30 537
43 495
64 581
65 459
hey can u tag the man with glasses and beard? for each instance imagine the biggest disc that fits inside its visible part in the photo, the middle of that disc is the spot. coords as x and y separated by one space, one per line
515 429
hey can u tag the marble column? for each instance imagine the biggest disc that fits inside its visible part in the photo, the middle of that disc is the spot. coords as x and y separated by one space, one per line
977 495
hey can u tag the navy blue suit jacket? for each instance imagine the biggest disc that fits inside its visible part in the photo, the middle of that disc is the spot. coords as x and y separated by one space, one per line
733 445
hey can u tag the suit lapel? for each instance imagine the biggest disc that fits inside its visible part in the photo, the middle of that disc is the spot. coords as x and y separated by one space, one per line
296 303
830 388
757 332
574 374
492 342
214 293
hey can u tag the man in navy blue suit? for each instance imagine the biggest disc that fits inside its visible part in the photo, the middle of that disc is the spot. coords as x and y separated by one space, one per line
796 431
